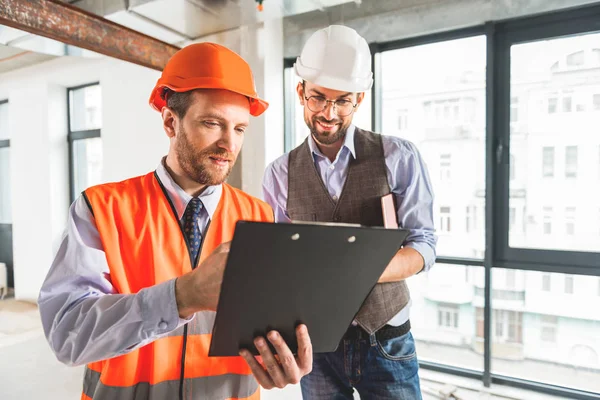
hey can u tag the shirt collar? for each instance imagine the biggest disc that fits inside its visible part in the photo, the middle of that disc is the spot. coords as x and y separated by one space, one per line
348 142
210 196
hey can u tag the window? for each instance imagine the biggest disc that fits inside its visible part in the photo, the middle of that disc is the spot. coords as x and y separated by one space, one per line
514 109
571 162
445 219
546 282
567 104
548 162
508 326
569 284
479 323
597 102
552 105
512 167
547 220
5 186
570 221
449 124
448 316
445 167
85 144
512 218
471 219
402 120
548 328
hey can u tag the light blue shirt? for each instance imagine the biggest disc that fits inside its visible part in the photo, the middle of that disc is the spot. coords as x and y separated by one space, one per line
83 316
406 174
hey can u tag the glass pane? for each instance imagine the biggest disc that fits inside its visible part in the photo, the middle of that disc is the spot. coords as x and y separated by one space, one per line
87 164
5 206
444 316
362 116
434 96
85 108
555 143
546 328
4 121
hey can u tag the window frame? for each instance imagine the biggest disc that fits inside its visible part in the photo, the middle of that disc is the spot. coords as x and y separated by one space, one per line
74 136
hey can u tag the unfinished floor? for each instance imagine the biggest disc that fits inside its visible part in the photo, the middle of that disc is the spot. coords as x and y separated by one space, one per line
29 370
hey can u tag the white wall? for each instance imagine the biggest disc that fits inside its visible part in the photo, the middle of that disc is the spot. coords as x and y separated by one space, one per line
133 142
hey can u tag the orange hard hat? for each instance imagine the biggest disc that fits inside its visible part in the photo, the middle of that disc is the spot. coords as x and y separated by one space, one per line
208 66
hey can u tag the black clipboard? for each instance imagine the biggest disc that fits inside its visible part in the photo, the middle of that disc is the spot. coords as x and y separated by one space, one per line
280 275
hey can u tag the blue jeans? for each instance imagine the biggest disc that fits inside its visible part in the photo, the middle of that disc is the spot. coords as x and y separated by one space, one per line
377 369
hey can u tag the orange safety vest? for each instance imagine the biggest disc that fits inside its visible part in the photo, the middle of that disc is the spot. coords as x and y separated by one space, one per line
144 246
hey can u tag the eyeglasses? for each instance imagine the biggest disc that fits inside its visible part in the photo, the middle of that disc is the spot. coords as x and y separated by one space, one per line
341 107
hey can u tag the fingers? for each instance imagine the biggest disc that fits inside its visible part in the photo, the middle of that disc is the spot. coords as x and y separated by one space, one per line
270 363
258 371
285 368
287 360
305 352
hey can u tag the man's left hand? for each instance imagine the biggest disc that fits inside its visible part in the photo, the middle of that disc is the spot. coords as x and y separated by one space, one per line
289 369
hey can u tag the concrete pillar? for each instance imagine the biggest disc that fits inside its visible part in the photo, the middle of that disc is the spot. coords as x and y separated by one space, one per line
262 48
39 175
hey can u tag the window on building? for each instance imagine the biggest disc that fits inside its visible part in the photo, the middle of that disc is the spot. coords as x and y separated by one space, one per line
567 104
448 316
445 221
512 218
511 165
597 102
546 283
547 220
471 218
514 109
445 167
570 220
552 105
549 324
569 284
548 162
571 162
85 144
508 326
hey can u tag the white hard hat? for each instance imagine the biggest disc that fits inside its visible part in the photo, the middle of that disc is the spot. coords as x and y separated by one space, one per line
337 58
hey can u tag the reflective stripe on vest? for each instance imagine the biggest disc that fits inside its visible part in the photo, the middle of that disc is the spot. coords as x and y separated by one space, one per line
144 246
208 387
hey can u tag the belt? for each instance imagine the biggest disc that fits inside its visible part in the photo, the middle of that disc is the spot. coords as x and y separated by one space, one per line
385 333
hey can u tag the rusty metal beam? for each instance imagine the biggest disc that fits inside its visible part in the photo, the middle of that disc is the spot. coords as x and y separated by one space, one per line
71 25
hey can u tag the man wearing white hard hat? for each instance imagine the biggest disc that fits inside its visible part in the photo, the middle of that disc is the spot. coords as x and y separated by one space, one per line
339 174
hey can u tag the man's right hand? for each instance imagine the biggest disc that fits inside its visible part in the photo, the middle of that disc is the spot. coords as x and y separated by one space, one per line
199 289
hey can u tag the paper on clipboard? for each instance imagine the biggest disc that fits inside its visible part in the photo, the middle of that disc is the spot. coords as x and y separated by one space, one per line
390 219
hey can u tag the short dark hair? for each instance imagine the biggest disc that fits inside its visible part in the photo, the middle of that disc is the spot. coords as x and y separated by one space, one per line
179 102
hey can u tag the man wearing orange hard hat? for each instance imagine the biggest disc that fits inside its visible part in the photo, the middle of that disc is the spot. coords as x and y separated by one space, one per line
124 296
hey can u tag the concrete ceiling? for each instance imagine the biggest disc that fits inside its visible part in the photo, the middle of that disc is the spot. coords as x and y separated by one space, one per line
12 58
173 21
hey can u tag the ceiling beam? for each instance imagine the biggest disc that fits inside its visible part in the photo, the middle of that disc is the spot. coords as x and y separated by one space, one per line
71 25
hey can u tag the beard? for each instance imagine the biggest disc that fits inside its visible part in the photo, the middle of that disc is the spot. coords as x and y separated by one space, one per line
327 137
198 166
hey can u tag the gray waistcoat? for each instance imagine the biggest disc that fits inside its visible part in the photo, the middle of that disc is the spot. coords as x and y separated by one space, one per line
359 203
